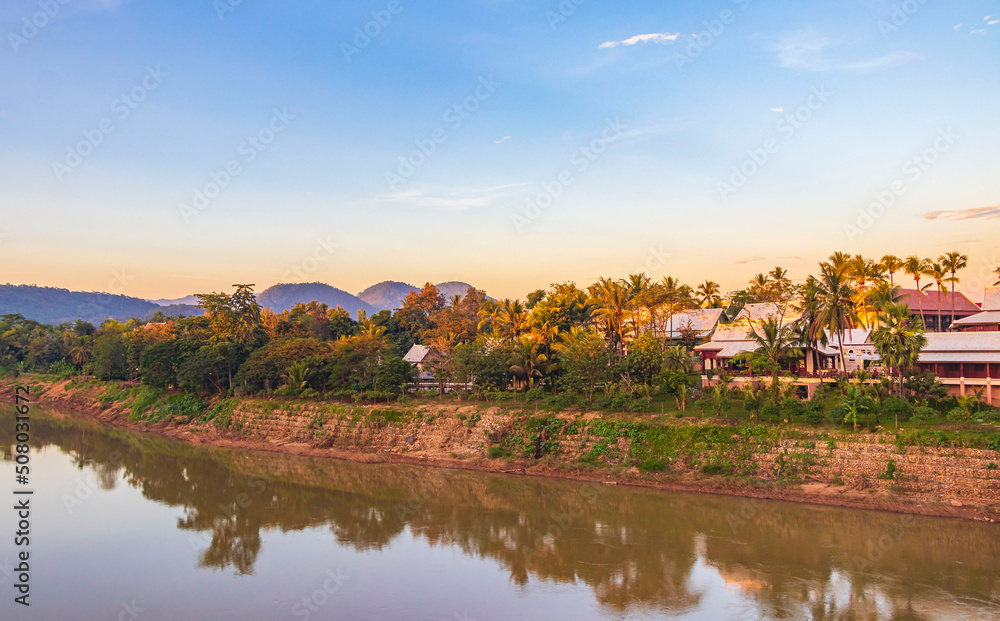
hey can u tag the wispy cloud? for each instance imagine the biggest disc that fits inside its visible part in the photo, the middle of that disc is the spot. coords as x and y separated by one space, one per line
656 37
502 140
974 213
808 51
777 109
448 199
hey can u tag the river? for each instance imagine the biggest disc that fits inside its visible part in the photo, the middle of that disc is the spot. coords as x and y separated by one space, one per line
134 526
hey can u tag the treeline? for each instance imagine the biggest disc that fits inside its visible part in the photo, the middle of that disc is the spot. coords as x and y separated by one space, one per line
618 339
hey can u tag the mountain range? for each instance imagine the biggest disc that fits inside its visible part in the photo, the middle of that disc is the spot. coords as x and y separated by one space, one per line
54 306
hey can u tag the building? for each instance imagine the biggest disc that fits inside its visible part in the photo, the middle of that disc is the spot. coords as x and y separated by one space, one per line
935 306
986 321
965 361
699 323
422 357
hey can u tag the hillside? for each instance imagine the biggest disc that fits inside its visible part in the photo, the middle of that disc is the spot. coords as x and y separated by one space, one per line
387 295
188 300
282 297
451 288
54 306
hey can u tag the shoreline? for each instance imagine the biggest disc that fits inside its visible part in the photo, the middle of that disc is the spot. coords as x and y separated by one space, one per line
809 490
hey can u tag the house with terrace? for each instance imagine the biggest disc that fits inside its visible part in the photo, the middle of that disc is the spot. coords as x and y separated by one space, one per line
988 320
965 362
939 310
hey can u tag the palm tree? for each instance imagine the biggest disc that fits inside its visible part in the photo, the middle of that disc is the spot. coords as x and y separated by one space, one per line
854 403
861 270
892 264
917 267
835 310
899 339
613 300
937 273
953 261
775 343
707 294
997 272
760 286
839 262
678 359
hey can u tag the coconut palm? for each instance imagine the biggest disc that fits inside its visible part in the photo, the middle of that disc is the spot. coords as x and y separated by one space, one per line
862 272
997 272
839 261
937 273
707 294
760 287
613 300
775 343
917 267
899 339
891 264
834 305
953 261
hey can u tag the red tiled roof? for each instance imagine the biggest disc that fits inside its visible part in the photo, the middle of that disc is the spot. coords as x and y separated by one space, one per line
929 300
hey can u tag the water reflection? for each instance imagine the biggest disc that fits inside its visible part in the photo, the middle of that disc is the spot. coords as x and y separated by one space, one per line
640 553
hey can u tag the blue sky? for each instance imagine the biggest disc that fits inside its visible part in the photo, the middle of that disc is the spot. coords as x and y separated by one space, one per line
506 143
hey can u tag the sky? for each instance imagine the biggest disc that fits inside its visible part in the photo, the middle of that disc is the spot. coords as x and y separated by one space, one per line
163 149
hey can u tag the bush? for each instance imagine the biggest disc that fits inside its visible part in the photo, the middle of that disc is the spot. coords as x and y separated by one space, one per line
959 415
653 465
813 413
535 394
923 414
770 412
791 407
497 452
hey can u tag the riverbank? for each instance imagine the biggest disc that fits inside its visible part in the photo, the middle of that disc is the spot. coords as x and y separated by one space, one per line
925 472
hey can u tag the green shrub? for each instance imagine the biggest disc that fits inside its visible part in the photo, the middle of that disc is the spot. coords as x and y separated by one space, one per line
890 471
497 452
653 465
770 412
791 408
713 468
535 394
813 413
923 414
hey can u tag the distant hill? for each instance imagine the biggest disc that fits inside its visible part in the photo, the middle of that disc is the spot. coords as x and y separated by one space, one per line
388 295
282 297
449 289
189 300
54 306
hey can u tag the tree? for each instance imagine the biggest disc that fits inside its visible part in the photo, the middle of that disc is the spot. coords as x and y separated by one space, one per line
917 267
953 261
937 273
584 358
678 359
707 294
775 343
891 264
899 339
854 403
236 317
833 302
110 356
613 301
